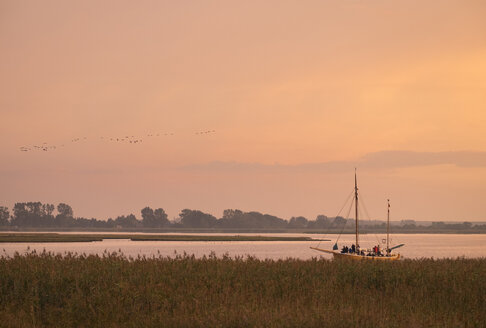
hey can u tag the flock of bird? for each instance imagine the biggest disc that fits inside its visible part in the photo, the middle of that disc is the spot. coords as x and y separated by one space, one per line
126 139
43 147
205 132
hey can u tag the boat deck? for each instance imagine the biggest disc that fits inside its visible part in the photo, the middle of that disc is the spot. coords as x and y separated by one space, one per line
352 256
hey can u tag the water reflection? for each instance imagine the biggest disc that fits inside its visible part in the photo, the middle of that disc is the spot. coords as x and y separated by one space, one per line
416 246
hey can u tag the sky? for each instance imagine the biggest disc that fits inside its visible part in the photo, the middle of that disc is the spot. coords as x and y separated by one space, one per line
296 94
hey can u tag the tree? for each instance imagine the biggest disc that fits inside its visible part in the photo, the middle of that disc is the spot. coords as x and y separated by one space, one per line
250 220
129 221
110 223
154 219
161 218
438 225
340 222
20 215
32 214
298 222
65 210
230 214
47 210
64 218
196 219
4 215
148 217
321 222
271 221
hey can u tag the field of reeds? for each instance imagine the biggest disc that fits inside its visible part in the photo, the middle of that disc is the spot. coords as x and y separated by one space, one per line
46 290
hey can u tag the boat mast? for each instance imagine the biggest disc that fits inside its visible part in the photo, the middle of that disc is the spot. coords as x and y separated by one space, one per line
356 208
388 230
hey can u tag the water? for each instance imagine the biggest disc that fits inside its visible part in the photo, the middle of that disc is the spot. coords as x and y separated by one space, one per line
416 246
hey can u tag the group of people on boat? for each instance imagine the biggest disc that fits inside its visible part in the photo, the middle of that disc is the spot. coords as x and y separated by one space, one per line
352 250
375 251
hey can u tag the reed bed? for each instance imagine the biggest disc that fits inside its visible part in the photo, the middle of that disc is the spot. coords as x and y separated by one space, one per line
47 290
218 238
47 238
65 238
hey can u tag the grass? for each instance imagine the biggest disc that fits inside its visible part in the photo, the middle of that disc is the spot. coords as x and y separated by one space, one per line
46 238
216 238
46 290
63 238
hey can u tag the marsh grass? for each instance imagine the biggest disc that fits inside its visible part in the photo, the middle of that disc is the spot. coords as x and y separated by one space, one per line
47 238
217 238
47 290
63 238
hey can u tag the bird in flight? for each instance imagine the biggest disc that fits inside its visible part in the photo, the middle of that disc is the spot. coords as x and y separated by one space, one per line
129 139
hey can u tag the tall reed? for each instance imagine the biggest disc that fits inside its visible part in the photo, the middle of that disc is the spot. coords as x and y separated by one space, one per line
47 290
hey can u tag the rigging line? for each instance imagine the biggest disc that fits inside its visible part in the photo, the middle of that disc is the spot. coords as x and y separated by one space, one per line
364 206
391 232
368 227
329 229
368 215
349 196
347 216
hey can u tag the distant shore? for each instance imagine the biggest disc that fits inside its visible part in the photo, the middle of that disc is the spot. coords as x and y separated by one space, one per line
364 230
85 236
75 238
36 216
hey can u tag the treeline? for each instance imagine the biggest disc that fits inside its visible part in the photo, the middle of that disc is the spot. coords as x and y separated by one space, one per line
442 226
39 215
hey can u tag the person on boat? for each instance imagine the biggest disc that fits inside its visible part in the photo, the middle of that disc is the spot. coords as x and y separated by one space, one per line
353 248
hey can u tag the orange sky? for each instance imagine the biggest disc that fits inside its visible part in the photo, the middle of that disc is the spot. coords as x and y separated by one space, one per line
299 92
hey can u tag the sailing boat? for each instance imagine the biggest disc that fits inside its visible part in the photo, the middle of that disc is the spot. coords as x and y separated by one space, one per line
355 252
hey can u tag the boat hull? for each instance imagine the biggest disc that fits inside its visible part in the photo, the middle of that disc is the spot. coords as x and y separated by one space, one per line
355 257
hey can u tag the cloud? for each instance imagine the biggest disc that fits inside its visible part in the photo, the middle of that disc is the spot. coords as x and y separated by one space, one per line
383 160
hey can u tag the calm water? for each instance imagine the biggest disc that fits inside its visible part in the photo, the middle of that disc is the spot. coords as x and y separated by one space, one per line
416 246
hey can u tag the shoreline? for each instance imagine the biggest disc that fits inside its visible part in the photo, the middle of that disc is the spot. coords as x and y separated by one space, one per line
67 238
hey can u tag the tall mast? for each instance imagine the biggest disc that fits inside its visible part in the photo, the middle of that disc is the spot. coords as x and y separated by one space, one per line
388 230
356 208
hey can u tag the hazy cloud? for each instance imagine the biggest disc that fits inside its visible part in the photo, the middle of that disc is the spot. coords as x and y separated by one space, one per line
398 159
383 160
